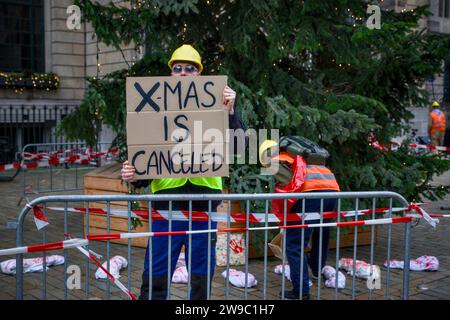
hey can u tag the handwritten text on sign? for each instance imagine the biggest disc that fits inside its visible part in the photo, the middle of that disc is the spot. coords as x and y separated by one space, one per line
176 126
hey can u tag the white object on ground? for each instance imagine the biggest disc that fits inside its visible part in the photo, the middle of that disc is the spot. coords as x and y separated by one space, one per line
32 264
181 262
423 263
237 278
362 268
115 264
287 272
330 277
180 275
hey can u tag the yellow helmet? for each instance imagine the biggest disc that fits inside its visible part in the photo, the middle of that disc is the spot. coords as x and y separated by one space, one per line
186 53
266 145
435 104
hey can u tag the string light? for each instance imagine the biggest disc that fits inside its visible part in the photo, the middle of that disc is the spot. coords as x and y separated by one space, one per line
18 82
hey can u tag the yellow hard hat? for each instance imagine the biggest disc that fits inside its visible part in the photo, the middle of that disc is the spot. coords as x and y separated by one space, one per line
266 145
435 104
186 53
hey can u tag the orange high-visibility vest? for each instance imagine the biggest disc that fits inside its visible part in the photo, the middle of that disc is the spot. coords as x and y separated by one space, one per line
437 121
319 178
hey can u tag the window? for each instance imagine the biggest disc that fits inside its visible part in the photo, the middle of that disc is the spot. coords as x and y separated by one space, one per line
444 8
22 35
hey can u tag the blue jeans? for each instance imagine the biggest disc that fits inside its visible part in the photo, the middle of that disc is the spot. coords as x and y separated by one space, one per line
294 242
199 249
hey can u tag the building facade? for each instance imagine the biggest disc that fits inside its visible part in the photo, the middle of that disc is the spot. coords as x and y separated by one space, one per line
39 40
438 86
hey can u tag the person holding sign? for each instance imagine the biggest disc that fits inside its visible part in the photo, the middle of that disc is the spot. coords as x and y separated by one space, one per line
185 61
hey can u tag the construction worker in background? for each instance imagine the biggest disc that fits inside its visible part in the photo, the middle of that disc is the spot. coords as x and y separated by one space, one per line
436 125
185 61
306 174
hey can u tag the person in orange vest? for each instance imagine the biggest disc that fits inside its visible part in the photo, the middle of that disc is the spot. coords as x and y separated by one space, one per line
436 125
185 61
305 178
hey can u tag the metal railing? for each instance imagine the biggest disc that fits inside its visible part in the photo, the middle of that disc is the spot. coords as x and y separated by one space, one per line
21 124
345 200
53 178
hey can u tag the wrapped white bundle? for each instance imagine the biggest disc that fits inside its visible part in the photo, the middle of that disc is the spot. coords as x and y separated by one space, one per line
115 264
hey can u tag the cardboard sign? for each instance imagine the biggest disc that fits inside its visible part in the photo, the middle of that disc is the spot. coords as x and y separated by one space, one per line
176 126
179 160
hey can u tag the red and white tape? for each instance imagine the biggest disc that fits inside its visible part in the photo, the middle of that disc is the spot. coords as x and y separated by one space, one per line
423 146
131 235
183 215
81 151
66 244
50 159
110 276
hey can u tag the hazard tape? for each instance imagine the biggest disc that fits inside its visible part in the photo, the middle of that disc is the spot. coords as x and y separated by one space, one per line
183 215
66 244
47 159
110 276
131 235
84 151
423 146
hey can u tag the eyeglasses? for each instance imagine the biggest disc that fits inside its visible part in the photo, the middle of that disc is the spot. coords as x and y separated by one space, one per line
187 69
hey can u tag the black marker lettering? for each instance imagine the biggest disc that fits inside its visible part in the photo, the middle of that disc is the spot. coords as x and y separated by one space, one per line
209 93
133 161
167 163
189 95
166 129
214 168
193 163
182 126
150 164
146 97
183 160
175 89
201 163
173 164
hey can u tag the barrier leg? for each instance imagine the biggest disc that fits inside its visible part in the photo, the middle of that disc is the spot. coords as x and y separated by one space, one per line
406 261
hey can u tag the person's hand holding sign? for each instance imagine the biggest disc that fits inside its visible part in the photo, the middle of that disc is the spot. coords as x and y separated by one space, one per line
128 172
228 98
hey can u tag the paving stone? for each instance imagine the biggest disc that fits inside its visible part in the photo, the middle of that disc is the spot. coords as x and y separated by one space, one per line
424 241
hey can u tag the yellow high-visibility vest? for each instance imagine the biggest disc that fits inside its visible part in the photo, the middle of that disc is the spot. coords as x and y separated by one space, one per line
170 183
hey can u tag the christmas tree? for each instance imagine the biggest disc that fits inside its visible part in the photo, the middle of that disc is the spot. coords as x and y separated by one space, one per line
309 68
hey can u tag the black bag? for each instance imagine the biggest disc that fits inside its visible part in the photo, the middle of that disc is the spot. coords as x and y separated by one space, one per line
310 151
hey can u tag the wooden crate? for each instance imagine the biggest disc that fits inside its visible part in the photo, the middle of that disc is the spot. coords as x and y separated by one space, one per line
106 180
347 235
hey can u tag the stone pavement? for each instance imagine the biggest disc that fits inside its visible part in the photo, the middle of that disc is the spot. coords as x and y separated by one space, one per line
423 285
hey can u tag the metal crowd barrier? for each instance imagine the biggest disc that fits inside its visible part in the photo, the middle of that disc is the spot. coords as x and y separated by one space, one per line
50 178
348 200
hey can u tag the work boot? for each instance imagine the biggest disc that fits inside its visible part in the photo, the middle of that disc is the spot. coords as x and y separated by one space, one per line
291 295
159 288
